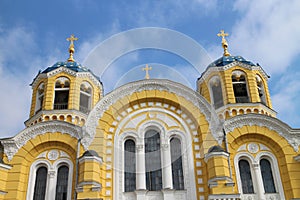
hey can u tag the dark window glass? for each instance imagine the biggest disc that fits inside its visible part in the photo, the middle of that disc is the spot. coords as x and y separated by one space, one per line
217 93
246 178
267 176
153 161
61 99
130 160
40 184
62 183
84 102
177 171
240 89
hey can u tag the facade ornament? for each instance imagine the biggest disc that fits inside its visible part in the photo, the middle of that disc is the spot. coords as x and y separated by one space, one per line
165 147
147 85
253 148
139 148
51 173
11 146
292 136
53 155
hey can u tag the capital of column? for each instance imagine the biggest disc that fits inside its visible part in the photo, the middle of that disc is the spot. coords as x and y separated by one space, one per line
51 173
139 148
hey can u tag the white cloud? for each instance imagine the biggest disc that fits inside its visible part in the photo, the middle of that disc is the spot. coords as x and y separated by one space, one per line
268 32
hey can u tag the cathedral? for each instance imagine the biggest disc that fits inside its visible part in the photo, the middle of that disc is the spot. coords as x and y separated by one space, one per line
152 139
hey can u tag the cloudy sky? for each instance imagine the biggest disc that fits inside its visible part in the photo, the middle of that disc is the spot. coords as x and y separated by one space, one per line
33 36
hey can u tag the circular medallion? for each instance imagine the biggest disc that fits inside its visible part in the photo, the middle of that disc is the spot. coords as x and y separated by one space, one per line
53 155
252 148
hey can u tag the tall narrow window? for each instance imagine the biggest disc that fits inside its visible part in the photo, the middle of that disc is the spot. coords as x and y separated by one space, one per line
85 97
216 89
62 183
246 178
153 161
261 89
39 97
40 184
62 87
129 160
177 171
267 176
240 87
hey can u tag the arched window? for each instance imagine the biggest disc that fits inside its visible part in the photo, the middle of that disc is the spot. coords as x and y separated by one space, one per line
62 87
129 162
216 90
40 184
239 85
153 161
267 176
85 97
246 178
176 158
62 183
39 97
261 89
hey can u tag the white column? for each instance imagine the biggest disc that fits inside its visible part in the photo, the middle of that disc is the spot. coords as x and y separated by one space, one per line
166 167
259 185
50 191
140 168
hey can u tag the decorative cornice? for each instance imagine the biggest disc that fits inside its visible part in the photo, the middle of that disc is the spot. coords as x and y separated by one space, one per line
5 166
69 72
12 145
291 135
214 154
90 158
209 70
147 85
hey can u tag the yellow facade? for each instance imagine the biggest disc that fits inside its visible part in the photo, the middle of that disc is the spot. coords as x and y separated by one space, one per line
216 137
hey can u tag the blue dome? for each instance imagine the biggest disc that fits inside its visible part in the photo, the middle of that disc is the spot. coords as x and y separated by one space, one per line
225 60
74 66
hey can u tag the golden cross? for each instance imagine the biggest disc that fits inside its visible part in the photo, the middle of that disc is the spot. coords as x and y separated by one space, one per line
72 39
224 42
147 71
71 47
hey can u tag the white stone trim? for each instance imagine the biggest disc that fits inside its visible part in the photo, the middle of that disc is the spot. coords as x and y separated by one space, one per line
291 135
51 177
256 173
147 85
12 145
4 166
137 135
90 158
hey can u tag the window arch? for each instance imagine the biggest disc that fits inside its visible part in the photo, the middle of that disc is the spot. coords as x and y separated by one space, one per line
216 92
40 183
61 98
267 176
62 183
261 89
176 159
239 85
246 177
153 161
39 97
85 97
129 166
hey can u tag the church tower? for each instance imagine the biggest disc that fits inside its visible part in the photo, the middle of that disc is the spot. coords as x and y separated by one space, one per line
235 86
66 91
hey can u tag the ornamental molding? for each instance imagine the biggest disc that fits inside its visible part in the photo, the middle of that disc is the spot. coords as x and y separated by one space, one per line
69 72
291 135
12 145
205 75
147 85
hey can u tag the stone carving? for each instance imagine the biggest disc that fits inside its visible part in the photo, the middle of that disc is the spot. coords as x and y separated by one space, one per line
164 85
292 136
12 145
53 155
253 148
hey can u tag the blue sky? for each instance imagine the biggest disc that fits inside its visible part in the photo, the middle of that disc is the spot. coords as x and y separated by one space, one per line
33 36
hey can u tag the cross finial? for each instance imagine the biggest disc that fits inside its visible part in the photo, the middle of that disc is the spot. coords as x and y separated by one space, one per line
71 47
147 71
224 42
